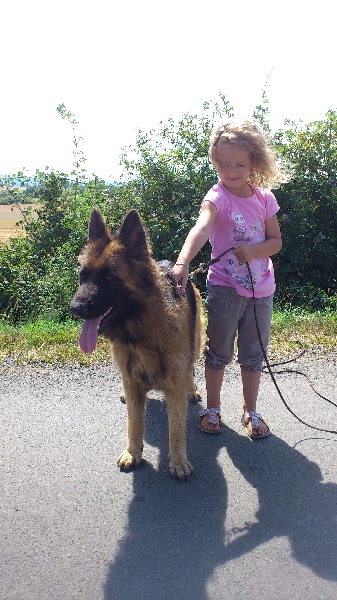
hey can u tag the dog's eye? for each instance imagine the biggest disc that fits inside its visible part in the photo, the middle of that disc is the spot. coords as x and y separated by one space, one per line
107 275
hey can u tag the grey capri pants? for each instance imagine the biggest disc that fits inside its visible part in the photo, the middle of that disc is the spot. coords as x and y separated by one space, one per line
229 313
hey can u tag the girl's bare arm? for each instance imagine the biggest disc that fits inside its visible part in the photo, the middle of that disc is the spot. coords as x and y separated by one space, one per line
195 240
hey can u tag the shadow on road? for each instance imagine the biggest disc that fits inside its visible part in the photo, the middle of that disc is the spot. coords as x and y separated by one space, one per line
176 530
293 502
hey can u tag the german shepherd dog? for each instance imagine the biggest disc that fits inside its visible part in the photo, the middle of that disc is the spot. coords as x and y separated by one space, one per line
154 328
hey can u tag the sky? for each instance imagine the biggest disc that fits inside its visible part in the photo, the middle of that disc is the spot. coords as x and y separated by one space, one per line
121 66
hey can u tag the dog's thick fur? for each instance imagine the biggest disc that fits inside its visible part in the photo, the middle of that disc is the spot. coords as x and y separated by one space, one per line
155 330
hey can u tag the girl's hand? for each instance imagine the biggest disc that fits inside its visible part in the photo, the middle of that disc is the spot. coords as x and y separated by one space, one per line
244 253
181 274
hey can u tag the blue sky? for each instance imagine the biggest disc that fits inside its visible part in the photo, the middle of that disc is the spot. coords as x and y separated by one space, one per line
123 66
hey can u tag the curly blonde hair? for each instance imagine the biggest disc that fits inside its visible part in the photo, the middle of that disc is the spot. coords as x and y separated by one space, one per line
266 172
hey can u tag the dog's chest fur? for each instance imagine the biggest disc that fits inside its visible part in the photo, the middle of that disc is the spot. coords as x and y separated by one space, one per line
144 363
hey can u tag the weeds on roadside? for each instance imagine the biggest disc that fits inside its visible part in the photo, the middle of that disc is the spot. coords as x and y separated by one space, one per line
49 342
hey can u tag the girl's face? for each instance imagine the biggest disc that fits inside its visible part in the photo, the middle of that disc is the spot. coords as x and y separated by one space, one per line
234 164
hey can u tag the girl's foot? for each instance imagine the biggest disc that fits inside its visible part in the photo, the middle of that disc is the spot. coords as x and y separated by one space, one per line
255 425
209 420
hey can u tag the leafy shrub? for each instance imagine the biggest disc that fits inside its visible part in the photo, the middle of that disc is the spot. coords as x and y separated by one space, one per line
308 203
166 175
38 273
307 296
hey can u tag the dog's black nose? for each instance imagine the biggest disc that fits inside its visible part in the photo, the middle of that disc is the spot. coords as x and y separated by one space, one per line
79 310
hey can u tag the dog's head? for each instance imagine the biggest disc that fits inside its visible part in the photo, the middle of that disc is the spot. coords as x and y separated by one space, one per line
115 270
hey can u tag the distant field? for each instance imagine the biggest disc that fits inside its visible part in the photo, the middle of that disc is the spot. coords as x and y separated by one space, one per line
9 216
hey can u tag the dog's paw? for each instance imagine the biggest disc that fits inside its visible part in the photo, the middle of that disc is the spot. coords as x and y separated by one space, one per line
194 397
181 469
128 461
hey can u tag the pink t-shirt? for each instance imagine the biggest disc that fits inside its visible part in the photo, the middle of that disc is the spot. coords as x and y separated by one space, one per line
241 221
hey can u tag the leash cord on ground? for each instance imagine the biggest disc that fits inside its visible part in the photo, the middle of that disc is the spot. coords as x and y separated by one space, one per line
202 267
286 370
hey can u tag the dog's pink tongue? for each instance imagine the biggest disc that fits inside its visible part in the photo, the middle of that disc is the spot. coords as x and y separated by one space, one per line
89 335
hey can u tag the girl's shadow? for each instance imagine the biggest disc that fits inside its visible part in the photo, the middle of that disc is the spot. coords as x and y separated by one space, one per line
293 502
176 530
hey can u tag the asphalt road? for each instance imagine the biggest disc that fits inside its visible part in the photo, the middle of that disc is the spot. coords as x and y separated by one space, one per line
256 519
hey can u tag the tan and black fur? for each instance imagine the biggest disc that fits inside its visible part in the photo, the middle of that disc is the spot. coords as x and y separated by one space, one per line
155 330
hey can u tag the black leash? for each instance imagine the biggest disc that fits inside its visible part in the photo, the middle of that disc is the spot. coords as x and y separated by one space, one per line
202 267
285 370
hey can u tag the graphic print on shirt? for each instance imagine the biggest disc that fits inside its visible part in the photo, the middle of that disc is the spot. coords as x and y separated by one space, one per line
240 230
257 231
244 234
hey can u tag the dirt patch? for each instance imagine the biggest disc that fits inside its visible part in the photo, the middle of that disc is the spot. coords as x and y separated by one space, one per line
9 216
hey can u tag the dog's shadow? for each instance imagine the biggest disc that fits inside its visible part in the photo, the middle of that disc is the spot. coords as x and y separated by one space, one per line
176 530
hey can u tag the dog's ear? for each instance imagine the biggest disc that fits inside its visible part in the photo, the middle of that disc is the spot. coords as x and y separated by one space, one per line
133 236
97 229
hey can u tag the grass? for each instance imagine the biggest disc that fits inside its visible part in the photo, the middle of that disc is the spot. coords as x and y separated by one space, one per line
297 330
49 342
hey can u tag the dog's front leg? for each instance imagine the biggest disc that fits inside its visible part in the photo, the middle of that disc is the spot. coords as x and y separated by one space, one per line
177 414
135 402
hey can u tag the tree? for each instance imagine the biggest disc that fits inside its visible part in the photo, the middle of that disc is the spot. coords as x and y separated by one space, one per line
168 173
309 208
38 272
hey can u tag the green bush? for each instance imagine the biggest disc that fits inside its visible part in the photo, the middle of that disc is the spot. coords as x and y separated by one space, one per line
307 296
38 273
166 175
308 203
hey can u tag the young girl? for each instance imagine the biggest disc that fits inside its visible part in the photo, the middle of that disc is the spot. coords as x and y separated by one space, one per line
238 214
